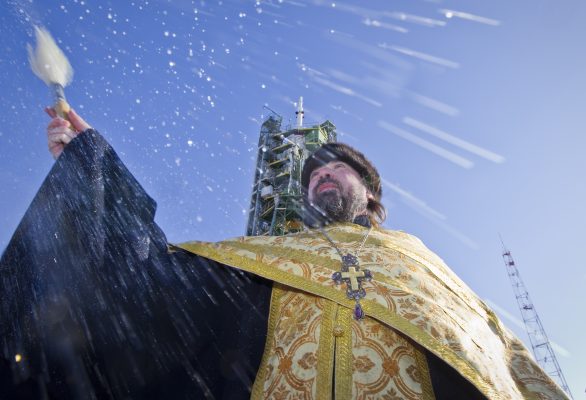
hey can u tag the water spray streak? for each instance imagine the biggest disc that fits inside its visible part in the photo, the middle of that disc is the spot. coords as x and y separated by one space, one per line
440 151
421 56
472 148
469 17
372 51
416 19
384 25
346 112
370 13
434 104
405 195
463 238
356 10
344 90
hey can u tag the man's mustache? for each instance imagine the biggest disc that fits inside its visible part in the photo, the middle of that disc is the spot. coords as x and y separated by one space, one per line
327 180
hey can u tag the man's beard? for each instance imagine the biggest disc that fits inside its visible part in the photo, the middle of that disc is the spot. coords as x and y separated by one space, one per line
336 205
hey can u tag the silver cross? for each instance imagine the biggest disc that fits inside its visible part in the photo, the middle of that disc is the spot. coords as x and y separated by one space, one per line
353 277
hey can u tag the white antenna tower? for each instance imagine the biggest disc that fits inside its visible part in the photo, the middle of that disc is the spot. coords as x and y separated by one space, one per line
540 344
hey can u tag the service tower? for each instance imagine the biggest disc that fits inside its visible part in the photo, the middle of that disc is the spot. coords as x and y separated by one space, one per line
276 193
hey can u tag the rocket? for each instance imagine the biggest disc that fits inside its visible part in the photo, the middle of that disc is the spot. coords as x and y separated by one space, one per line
299 113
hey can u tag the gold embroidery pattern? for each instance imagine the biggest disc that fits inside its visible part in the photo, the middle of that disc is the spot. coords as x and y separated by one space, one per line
531 380
422 374
291 366
325 355
343 369
413 291
385 363
264 369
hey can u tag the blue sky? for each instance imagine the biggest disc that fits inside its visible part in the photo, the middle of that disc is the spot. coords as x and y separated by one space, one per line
472 111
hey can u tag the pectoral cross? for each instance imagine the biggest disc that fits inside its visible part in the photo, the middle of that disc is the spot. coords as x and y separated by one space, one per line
353 277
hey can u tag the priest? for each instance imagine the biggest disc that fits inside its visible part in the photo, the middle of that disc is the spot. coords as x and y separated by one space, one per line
98 304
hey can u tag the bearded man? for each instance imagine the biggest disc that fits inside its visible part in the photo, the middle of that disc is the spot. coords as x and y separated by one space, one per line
98 304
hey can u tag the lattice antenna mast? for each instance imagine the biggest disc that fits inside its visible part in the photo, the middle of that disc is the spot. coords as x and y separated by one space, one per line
540 344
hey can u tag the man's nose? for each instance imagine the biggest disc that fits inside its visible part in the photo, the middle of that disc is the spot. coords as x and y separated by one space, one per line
322 173
325 171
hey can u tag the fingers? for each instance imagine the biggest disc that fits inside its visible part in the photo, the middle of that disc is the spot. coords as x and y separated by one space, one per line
62 138
56 149
58 140
59 135
58 122
60 132
77 122
51 112
56 134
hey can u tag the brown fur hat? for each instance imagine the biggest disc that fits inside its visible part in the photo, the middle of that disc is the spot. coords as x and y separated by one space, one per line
343 152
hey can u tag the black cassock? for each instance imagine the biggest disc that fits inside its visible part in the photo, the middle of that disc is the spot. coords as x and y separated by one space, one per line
96 306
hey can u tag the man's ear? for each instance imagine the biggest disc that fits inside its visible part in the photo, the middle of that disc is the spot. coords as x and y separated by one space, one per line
369 195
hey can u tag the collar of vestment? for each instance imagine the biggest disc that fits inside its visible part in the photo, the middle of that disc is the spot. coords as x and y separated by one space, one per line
362 220
412 291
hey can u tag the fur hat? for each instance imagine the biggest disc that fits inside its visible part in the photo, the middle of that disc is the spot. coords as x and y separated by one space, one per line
343 152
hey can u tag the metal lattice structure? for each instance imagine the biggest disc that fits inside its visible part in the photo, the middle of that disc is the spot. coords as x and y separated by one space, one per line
542 350
277 193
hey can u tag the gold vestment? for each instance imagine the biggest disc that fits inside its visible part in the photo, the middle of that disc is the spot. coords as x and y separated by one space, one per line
414 303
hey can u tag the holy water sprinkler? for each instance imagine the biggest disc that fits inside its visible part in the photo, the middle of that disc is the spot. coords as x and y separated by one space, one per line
50 64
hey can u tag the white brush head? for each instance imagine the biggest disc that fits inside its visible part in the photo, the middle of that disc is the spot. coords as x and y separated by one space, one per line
48 61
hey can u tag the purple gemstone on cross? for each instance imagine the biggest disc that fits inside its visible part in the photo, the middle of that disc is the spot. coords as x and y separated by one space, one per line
367 275
349 260
337 277
358 312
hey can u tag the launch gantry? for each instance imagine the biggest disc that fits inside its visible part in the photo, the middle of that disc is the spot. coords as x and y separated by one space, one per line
276 200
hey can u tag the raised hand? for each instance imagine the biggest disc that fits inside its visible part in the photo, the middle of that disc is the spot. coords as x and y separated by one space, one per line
61 131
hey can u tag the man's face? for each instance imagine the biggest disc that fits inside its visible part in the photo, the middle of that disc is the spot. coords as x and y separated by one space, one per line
337 189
